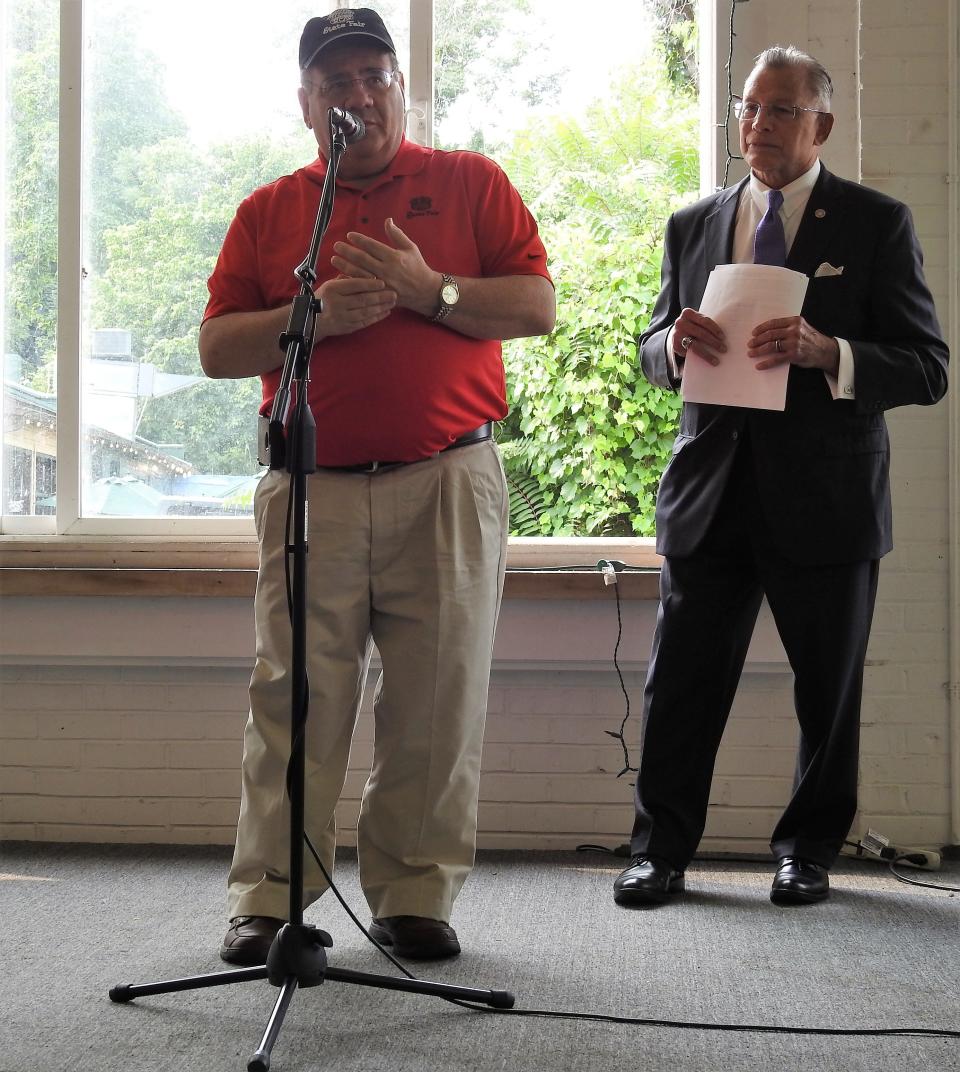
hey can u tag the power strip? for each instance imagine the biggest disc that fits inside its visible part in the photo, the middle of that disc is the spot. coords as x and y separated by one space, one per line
875 846
924 859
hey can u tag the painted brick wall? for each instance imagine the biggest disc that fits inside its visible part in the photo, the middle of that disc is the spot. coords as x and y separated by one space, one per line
905 137
143 754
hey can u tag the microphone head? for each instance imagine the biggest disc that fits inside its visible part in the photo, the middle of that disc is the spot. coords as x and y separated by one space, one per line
359 130
350 125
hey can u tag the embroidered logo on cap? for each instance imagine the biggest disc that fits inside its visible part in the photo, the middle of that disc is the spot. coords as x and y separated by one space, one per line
341 18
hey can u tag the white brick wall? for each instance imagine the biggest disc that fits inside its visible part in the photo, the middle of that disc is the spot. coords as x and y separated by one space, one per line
130 754
904 757
123 752
139 754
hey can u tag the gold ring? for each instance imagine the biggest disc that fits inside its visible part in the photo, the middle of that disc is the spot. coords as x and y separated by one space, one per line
778 346
685 342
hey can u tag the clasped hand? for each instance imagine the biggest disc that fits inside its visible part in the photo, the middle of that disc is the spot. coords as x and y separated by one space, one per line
347 305
399 266
374 279
792 340
786 340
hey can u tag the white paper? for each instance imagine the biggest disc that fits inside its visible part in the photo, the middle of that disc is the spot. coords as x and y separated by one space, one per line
739 297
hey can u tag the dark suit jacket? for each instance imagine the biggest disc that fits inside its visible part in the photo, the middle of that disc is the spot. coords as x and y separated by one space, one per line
821 465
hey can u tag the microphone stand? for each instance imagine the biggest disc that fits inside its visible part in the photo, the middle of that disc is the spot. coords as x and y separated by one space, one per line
297 956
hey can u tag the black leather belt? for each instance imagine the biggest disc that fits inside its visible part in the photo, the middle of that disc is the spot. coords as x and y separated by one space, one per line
478 435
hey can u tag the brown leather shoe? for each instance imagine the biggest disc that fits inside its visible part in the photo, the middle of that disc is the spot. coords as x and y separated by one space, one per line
249 938
416 937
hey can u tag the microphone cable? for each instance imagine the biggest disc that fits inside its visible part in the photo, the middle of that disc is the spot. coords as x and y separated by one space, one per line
639 1021
596 1017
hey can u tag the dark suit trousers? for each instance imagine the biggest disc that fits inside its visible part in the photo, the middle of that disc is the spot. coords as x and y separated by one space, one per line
708 609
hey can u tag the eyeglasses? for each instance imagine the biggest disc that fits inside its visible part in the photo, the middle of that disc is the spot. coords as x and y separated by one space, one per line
747 111
375 81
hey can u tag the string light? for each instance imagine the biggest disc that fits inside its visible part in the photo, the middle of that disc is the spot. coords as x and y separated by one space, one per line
728 67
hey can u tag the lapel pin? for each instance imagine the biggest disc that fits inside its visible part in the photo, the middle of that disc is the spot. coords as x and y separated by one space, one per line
820 213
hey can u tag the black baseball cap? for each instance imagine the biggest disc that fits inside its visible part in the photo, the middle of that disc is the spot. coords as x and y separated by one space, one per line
344 22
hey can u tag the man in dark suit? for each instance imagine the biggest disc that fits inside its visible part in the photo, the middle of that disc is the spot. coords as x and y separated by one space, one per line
791 505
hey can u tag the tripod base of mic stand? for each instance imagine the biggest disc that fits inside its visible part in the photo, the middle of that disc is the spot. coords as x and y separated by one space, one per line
297 957
298 951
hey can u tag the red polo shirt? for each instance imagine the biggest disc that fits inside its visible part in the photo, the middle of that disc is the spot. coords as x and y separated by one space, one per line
403 388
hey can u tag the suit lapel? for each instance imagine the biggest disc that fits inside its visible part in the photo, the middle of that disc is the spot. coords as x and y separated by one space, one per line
821 218
718 228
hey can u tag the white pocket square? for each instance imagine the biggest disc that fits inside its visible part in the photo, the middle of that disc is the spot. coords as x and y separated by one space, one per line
827 269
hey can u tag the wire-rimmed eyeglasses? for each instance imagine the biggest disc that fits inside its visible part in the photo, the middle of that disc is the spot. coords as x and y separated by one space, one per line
374 81
747 110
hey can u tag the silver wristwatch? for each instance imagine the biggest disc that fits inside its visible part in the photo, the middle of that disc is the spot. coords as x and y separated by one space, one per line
449 296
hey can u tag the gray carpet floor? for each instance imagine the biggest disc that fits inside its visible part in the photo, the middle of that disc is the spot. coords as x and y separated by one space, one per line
79 919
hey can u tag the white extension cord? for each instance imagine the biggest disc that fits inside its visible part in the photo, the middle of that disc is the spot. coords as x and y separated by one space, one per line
874 845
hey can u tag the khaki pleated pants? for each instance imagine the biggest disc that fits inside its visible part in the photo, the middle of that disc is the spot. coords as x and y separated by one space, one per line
411 560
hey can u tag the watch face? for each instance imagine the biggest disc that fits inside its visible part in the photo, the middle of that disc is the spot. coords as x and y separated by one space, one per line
449 293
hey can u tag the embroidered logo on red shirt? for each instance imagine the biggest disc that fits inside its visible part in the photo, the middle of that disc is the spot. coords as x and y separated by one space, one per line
421 206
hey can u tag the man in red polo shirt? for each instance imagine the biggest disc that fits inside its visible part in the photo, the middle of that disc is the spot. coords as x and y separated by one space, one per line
429 261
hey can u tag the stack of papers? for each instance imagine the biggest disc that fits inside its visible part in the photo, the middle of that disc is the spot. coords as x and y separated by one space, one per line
739 297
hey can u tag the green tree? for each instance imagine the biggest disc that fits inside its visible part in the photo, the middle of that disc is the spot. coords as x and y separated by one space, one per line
31 188
676 28
584 423
127 112
154 284
484 49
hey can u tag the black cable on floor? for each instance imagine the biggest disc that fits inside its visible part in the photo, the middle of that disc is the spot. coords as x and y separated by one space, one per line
915 881
635 1020
766 1029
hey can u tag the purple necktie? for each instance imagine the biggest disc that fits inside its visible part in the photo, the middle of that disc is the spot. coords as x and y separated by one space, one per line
770 243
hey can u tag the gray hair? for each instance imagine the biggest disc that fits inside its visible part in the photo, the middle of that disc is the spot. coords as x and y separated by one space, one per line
818 80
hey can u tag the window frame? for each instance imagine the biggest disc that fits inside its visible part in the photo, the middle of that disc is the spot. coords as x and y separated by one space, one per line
67 521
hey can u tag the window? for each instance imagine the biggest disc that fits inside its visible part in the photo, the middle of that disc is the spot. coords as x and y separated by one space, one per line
107 417
600 132
29 150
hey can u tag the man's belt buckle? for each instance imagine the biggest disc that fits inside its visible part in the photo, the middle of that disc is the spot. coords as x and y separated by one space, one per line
369 468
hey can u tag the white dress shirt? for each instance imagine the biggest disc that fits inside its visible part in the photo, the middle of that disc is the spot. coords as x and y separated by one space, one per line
750 210
752 207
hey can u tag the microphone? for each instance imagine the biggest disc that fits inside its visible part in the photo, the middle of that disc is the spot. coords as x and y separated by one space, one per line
350 125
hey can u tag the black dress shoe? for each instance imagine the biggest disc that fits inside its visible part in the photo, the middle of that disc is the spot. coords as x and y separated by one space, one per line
249 938
648 880
799 882
416 937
